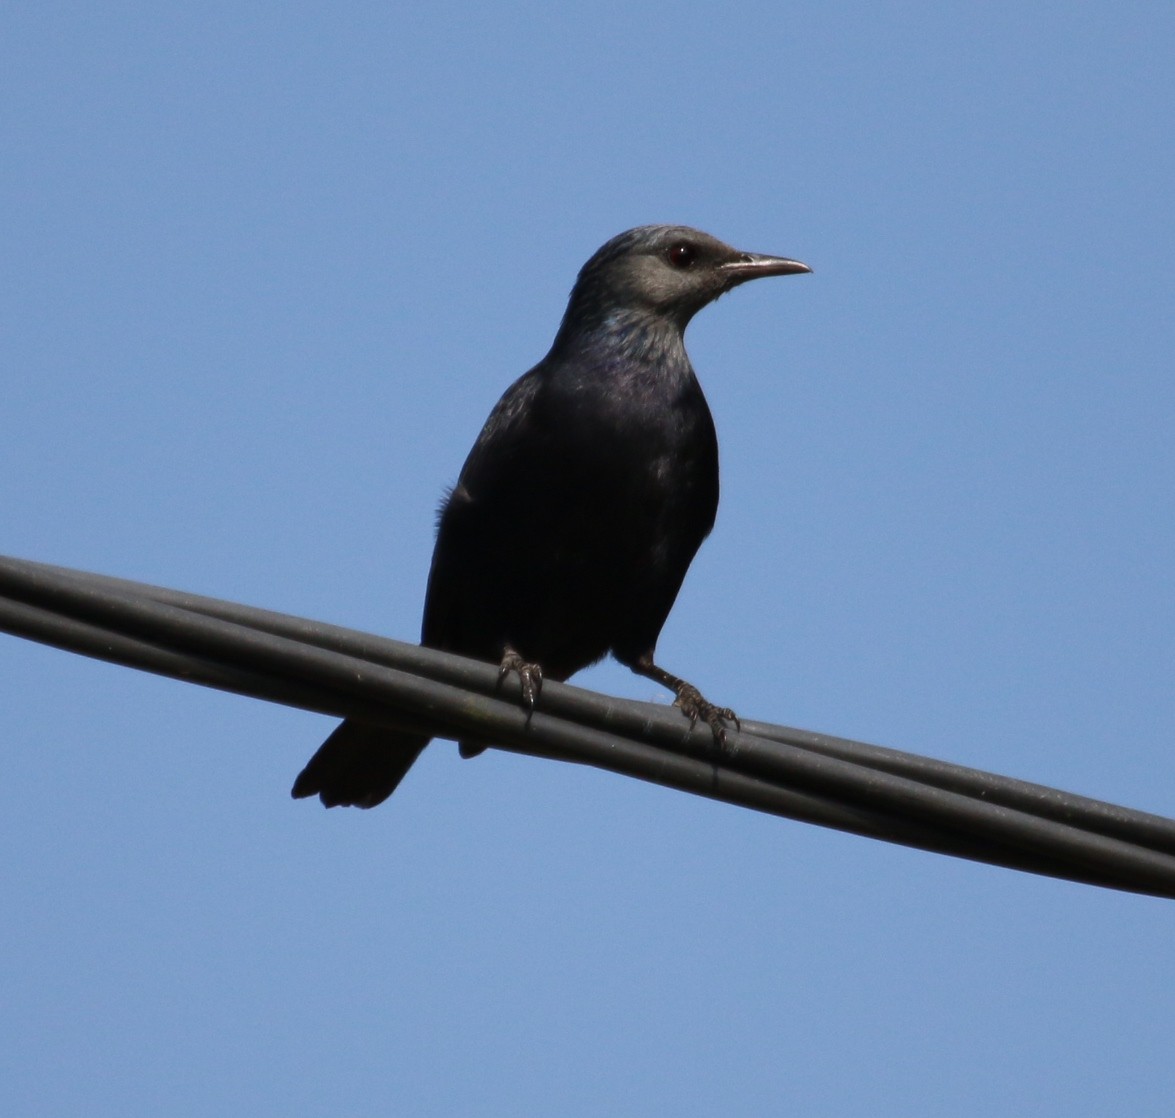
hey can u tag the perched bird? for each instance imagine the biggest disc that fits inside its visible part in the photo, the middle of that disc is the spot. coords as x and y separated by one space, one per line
583 501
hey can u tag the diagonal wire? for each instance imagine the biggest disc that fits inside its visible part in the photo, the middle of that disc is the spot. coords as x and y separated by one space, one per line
851 786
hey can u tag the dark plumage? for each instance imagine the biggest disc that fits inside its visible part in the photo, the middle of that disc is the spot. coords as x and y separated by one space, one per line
583 501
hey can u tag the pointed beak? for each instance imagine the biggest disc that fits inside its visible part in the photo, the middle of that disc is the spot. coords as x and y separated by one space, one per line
753 265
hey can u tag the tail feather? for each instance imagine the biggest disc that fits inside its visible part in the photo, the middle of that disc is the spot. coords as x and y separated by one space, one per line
358 765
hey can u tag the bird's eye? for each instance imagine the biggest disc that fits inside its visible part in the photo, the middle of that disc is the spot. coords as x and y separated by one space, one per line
682 254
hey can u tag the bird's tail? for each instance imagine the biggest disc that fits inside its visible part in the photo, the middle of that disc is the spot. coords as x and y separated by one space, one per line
358 765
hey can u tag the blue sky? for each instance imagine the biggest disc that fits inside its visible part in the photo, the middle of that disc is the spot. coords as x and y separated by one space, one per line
265 270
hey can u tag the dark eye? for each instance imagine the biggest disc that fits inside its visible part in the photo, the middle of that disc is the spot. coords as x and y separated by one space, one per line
682 254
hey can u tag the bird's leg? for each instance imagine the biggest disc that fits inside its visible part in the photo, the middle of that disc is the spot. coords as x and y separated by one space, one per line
689 699
530 675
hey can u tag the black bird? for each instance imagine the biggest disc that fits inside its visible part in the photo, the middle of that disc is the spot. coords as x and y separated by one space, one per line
583 501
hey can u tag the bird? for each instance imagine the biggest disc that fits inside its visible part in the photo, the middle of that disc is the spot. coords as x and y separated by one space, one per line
582 503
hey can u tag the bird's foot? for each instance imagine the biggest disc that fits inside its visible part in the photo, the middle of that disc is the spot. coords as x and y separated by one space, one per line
530 675
689 700
694 705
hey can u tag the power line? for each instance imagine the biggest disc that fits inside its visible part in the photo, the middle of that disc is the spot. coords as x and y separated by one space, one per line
851 786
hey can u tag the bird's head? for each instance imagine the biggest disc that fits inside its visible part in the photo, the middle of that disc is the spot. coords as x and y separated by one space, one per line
670 271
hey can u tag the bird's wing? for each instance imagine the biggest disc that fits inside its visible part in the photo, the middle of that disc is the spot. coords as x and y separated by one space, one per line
479 520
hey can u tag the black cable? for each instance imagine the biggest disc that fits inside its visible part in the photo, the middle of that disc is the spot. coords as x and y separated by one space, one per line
852 786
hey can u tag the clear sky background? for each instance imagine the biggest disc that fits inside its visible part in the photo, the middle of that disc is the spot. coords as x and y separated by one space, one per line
265 269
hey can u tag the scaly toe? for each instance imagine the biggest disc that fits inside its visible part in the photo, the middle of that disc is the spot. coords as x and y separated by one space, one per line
694 706
530 676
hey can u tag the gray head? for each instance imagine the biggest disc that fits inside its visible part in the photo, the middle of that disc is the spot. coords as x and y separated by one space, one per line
667 271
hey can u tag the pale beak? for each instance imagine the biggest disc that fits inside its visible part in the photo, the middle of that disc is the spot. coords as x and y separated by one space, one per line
752 265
